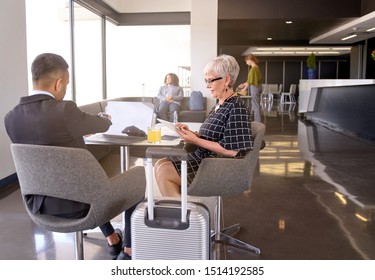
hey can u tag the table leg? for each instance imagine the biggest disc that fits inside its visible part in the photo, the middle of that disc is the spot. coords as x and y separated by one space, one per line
124 158
124 166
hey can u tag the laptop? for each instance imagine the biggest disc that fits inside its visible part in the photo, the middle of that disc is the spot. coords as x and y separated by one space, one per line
137 116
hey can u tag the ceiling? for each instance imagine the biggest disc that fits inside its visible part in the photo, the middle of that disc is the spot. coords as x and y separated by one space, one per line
243 28
323 35
243 36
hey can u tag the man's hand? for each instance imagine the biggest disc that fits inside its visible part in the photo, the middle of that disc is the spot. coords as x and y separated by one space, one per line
104 115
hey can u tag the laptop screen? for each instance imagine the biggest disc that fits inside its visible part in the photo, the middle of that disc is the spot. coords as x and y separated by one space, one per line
125 114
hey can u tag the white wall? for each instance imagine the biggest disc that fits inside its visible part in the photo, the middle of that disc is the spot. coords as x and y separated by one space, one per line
203 42
13 70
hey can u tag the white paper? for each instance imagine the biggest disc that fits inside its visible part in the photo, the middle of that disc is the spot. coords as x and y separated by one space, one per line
170 125
124 114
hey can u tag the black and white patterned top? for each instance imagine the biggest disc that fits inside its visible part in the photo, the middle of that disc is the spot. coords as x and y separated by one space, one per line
229 125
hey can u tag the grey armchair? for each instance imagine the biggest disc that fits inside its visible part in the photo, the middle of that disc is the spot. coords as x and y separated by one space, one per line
74 174
207 183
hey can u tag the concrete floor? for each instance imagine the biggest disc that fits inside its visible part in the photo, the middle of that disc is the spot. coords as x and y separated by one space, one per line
312 198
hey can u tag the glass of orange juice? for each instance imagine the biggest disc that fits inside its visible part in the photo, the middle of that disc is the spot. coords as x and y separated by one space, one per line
154 134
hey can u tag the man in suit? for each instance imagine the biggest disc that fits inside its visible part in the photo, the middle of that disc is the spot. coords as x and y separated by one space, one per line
44 118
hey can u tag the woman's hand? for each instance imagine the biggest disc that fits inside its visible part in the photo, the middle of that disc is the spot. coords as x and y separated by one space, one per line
104 115
186 133
241 86
243 92
194 138
181 126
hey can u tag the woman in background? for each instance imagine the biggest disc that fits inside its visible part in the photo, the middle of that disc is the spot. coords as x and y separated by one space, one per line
170 96
254 80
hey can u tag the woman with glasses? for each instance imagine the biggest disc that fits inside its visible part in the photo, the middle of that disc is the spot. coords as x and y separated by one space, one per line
226 132
254 80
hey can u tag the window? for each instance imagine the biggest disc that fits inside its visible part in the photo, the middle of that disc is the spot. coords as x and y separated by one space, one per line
88 56
139 57
47 27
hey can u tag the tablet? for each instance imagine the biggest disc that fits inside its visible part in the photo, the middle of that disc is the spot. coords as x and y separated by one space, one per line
170 125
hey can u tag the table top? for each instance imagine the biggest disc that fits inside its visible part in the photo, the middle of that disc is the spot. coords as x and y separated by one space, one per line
99 138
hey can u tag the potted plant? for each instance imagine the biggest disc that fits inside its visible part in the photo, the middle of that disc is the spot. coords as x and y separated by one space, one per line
311 65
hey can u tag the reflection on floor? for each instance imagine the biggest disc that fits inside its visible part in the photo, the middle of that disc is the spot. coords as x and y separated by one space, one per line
312 198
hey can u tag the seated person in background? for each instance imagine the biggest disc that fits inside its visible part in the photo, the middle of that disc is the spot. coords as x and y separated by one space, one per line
44 118
170 96
226 132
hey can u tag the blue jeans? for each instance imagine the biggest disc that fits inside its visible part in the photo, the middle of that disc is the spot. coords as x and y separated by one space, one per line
255 103
167 107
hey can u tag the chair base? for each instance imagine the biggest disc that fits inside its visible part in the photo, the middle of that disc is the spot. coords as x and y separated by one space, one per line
225 236
291 98
266 96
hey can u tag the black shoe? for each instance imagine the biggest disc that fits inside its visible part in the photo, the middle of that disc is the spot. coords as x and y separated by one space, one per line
263 145
123 256
116 249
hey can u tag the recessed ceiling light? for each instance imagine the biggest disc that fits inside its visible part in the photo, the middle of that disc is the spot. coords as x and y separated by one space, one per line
348 37
269 39
289 22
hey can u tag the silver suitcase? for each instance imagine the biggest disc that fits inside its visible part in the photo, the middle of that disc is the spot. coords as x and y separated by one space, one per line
169 229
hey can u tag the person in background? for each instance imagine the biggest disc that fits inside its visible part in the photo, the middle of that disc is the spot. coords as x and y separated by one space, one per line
44 118
226 132
254 80
170 96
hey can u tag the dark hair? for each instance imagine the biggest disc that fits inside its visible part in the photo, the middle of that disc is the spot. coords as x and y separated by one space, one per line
46 64
174 77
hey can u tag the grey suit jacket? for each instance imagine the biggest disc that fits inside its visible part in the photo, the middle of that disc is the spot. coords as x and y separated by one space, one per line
40 119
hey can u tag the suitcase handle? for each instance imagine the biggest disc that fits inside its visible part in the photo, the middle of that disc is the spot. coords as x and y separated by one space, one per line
164 152
167 218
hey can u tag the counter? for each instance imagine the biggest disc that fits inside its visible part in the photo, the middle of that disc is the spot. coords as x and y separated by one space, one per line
306 100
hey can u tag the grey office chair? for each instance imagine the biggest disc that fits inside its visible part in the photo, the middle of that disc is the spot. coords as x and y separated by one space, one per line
208 182
75 174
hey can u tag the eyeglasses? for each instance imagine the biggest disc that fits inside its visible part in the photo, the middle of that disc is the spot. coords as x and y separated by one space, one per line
210 81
